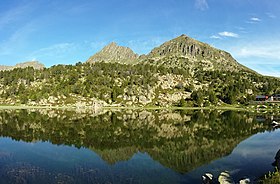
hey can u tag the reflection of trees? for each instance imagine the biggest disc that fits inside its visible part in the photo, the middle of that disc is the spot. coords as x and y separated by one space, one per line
181 141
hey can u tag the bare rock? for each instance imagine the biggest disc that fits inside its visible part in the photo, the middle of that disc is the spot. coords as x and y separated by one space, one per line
225 178
114 53
35 64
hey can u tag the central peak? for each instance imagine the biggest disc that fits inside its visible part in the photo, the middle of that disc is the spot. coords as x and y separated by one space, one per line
114 53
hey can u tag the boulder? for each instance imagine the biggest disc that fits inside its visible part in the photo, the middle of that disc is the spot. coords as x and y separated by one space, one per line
225 178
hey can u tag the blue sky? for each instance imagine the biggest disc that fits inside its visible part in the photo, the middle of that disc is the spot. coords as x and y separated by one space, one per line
68 31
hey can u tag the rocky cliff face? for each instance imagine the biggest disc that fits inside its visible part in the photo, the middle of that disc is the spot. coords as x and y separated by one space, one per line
191 54
34 64
182 52
114 53
185 46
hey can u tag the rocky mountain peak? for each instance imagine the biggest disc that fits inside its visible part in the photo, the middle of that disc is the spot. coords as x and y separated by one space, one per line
186 52
114 53
184 46
35 64
182 52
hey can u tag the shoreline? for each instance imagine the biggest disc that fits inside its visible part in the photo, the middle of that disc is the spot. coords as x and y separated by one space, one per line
7 107
172 108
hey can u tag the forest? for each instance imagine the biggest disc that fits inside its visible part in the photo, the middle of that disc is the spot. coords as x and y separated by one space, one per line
110 82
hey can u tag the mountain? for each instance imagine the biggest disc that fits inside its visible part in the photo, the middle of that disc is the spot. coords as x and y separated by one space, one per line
34 64
180 72
189 53
182 52
114 53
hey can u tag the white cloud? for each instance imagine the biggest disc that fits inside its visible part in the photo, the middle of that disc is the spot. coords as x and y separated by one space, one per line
228 34
256 19
201 5
215 37
253 20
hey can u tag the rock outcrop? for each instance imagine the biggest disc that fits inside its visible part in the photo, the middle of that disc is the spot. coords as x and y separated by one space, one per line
182 52
188 53
224 178
114 53
186 46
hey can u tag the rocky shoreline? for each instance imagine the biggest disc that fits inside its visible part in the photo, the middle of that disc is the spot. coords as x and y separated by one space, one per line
223 178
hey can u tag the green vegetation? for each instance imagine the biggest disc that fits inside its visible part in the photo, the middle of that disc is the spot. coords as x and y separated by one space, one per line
140 84
271 178
182 72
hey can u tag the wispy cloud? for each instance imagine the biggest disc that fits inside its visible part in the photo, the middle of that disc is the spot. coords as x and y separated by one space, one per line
144 46
270 15
256 19
270 51
201 4
253 20
13 15
56 50
215 37
17 39
228 34
260 56
97 45
267 69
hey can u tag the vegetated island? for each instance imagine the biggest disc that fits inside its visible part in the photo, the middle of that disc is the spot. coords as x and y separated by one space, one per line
180 73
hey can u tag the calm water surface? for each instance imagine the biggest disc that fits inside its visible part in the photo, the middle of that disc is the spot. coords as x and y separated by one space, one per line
133 147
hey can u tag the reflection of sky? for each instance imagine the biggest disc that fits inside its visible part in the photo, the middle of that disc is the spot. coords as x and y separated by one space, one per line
251 158
262 145
64 159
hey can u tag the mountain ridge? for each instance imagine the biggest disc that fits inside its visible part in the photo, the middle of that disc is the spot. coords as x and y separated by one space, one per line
35 64
180 72
183 50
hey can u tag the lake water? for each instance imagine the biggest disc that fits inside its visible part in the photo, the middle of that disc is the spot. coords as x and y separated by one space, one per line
47 146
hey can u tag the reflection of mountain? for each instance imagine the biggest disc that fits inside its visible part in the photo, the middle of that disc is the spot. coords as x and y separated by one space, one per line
193 156
112 156
181 141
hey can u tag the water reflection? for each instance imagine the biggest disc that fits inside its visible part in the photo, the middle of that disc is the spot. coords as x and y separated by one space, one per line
276 163
117 147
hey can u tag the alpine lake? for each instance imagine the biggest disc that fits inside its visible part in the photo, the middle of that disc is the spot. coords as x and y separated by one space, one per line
134 146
